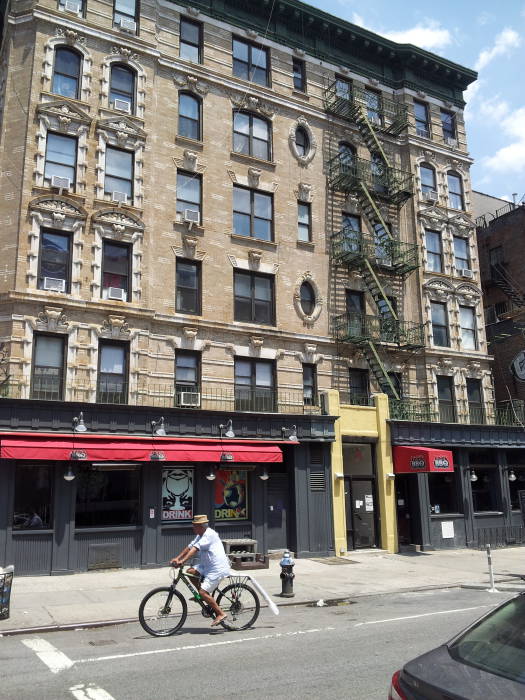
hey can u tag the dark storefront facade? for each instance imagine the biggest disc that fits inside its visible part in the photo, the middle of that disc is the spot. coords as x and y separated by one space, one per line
473 505
120 495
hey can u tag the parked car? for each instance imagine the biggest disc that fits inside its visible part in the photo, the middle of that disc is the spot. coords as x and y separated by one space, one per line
484 662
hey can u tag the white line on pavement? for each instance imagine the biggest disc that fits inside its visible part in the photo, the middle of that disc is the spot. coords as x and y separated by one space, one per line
413 617
192 647
54 659
90 692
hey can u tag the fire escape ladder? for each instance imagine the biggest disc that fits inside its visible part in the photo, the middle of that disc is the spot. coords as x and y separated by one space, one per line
371 210
507 284
376 288
368 133
378 369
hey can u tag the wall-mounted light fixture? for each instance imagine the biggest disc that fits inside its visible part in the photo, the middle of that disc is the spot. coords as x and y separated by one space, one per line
211 474
473 476
264 476
390 475
290 433
227 429
511 475
69 474
339 475
157 427
78 423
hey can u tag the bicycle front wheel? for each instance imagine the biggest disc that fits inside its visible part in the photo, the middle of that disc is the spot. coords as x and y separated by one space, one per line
241 604
163 611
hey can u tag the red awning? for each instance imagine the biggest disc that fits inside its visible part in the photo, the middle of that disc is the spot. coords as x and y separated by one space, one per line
412 460
111 448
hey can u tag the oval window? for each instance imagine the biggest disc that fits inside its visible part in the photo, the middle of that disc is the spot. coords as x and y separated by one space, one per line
307 298
302 142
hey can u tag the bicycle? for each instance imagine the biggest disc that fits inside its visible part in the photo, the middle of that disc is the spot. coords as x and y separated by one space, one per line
163 611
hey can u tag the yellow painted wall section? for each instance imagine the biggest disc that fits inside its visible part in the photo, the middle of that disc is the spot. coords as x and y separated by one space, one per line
370 422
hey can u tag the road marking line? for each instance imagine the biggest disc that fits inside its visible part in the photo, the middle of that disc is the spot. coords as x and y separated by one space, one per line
54 659
192 647
413 617
90 692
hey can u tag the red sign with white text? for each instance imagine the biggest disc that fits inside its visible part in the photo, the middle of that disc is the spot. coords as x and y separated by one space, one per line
414 460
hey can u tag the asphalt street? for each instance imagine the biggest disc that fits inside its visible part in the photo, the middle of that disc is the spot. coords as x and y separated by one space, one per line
345 651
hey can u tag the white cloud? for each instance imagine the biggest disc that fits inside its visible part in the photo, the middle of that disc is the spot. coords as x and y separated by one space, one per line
494 109
358 19
509 158
505 41
429 35
505 197
469 96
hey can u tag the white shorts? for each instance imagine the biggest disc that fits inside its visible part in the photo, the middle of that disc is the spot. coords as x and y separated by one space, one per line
210 582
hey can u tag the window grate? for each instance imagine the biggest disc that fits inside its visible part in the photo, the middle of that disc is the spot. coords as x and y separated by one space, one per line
317 481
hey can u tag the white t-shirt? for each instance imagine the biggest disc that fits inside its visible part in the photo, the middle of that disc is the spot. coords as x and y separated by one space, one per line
212 557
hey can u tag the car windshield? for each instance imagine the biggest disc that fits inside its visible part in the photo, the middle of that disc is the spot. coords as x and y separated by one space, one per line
497 643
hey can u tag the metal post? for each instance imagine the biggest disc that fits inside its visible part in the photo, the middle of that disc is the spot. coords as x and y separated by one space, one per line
287 575
492 588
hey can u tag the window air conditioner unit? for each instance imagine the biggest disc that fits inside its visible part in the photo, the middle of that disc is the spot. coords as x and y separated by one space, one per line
120 197
430 196
53 284
73 6
450 141
122 106
376 121
61 183
128 25
466 273
189 398
191 216
117 293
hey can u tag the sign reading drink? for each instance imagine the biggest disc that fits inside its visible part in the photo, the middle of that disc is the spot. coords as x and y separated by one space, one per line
177 494
231 495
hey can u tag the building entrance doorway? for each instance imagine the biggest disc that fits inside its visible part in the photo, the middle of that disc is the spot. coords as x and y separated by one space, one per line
360 495
277 513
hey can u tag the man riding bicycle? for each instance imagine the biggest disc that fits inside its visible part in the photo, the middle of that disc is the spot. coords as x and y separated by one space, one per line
213 564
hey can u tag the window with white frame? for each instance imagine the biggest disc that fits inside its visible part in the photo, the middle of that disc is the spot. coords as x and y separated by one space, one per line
61 158
467 321
119 173
189 196
190 47
461 253
122 88
434 248
304 222
116 277
455 191
67 72
440 334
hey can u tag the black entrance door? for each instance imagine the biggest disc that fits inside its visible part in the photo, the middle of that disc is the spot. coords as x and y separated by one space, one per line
277 509
363 513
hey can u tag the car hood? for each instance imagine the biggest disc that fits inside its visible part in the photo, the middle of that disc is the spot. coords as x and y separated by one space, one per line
437 676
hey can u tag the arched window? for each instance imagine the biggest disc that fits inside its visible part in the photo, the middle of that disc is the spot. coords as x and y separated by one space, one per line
66 73
307 298
251 135
455 191
347 154
189 116
122 88
428 180
302 142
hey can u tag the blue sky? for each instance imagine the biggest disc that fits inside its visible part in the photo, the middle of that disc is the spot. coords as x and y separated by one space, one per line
486 36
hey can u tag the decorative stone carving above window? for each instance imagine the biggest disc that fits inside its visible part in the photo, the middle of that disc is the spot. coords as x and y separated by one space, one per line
52 319
304 192
256 343
251 33
253 264
468 293
244 180
190 332
59 213
189 248
308 320
255 257
302 123
251 103
190 162
115 327
254 177
191 83
193 11
299 52
439 289
121 54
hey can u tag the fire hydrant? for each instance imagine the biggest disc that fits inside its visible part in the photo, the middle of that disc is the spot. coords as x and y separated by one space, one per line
287 575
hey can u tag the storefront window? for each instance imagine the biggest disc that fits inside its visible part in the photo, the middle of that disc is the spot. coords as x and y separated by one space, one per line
177 494
357 460
108 496
443 493
231 495
486 490
516 485
33 491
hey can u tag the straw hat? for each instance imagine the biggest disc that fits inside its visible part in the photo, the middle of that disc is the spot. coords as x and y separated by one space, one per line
200 520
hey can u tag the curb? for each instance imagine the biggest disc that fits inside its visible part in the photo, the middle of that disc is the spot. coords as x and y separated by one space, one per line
77 626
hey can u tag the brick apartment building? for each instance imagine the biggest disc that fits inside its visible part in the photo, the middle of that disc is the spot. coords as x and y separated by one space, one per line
212 212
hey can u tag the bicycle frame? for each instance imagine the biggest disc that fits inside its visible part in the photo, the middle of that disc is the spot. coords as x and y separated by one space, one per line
181 576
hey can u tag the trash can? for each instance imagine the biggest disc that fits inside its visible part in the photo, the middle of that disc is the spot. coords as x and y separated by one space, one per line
6 581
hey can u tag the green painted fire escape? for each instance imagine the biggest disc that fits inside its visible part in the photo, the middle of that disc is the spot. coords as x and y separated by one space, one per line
375 183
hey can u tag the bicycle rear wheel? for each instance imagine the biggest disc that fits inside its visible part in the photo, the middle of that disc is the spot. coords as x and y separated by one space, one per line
163 611
241 604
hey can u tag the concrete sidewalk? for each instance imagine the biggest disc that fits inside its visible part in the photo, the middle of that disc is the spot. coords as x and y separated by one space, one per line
105 596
